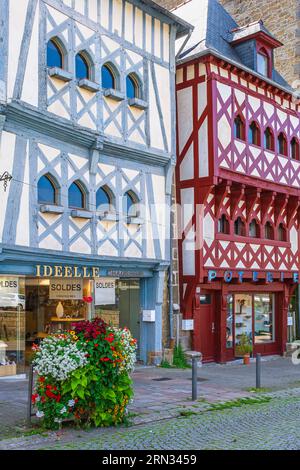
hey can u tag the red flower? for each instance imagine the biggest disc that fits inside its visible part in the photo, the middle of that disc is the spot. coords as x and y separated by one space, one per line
88 300
42 379
96 345
104 359
34 397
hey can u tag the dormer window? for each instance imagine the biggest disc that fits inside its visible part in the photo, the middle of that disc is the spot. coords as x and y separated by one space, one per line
263 63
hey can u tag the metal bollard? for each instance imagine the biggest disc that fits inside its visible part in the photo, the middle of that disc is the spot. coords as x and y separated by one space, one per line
195 356
258 371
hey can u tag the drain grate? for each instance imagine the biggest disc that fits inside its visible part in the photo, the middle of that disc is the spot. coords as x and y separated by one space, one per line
162 379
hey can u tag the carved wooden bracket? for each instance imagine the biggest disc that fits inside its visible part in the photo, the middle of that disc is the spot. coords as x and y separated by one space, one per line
221 192
292 210
266 201
280 203
252 197
236 194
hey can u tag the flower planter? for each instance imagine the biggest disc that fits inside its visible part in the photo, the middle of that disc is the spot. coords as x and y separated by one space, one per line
83 375
246 359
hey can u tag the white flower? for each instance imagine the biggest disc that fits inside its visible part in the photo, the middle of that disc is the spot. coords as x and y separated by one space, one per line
63 410
57 420
39 414
71 403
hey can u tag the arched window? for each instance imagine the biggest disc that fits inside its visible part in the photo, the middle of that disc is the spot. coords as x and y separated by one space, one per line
253 229
131 204
282 144
269 231
82 66
104 199
77 197
269 139
223 225
239 128
239 227
132 86
108 77
281 233
295 154
263 63
254 134
47 192
54 54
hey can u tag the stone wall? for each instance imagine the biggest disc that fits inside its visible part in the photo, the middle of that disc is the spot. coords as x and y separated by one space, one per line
282 18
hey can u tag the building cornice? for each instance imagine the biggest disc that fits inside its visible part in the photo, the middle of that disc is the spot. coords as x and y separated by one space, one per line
50 125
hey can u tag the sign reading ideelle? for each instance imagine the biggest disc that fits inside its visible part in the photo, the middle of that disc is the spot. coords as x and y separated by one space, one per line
66 289
105 291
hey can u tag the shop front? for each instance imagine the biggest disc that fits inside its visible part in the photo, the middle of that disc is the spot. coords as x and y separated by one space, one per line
231 314
55 295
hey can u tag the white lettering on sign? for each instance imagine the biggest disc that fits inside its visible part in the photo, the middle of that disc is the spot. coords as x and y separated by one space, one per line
105 291
9 285
66 289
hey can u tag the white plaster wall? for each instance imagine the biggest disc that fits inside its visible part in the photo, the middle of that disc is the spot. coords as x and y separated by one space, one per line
203 149
17 18
31 78
7 149
185 117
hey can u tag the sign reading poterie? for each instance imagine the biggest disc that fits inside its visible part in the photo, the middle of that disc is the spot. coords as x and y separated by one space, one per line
105 291
66 289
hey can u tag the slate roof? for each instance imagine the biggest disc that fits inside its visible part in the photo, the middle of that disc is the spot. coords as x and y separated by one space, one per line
214 30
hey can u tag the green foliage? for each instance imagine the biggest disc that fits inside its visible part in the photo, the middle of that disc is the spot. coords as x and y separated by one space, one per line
238 403
244 347
96 394
165 365
179 359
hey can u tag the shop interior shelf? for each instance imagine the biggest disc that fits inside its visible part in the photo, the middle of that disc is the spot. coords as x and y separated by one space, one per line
60 320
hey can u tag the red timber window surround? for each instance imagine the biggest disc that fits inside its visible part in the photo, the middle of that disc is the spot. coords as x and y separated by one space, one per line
295 154
282 144
239 128
264 62
269 231
239 227
223 225
254 134
269 140
282 233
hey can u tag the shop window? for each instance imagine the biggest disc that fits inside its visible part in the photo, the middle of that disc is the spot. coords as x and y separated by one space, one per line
254 229
264 318
109 75
269 139
282 144
83 68
254 134
223 225
243 323
269 231
229 323
131 204
282 237
104 200
205 299
47 190
239 128
295 154
55 55
263 63
239 227
133 86
77 196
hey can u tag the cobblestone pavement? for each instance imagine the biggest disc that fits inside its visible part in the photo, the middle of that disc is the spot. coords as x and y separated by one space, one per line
268 425
160 394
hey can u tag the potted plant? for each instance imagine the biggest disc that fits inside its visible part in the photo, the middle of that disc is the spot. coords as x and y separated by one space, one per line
244 348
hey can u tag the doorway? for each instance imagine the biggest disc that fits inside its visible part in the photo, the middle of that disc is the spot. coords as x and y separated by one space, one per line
205 327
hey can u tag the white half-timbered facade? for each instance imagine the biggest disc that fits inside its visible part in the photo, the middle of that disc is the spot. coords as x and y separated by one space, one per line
87 115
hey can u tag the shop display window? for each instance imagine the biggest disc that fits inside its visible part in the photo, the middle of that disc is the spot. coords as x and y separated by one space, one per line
229 324
264 318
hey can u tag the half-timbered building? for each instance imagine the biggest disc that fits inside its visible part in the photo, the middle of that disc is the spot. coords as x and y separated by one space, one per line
238 182
88 135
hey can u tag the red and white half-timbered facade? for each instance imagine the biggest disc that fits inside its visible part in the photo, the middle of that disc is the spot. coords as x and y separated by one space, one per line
238 184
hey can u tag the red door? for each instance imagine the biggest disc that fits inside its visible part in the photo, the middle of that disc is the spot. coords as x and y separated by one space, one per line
204 327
